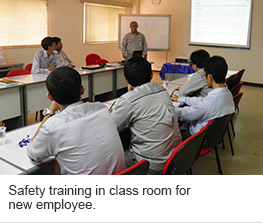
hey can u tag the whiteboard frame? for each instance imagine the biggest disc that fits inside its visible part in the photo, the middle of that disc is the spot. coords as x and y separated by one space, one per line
133 18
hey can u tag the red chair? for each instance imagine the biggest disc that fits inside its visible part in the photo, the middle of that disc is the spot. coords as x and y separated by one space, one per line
235 90
185 154
98 61
17 72
140 168
216 129
29 67
91 58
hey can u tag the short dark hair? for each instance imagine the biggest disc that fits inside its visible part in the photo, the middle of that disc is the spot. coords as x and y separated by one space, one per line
56 40
137 71
198 57
64 85
217 67
46 42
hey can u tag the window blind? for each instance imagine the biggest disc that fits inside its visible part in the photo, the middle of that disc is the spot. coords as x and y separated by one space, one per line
22 22
101 23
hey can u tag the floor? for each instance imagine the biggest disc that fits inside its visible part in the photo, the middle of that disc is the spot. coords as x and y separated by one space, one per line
248 142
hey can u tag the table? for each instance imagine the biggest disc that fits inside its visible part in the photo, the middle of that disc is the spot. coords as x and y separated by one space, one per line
9 65
8 169
16 156
171 71
33 88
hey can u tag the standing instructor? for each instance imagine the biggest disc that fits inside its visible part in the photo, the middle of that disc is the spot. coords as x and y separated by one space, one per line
133 41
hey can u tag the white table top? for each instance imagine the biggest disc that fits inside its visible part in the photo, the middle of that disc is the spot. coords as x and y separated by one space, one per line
14 154
30 78
8 169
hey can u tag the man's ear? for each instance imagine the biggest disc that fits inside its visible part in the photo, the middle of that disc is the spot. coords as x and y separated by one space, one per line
126 80
49 96
82 90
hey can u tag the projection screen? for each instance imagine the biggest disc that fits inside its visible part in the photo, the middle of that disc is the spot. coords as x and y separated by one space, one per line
225 23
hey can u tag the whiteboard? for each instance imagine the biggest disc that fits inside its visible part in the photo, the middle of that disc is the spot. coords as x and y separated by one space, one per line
156 29
221 23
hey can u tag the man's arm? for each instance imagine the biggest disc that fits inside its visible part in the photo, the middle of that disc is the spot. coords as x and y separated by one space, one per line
145 48
193 85
36 66
122 113
39 147
124 44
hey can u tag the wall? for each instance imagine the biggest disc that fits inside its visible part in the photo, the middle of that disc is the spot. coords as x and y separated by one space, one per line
65 21
250 59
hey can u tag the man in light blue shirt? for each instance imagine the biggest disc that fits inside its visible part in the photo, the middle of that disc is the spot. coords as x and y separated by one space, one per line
61 56
44 60
218 103
133 41
196 85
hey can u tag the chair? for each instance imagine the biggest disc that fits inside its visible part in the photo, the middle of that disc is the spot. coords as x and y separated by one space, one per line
29 67
236 99
239 75
230 81
17 72
91 58
140 168
235 90
185 154
98 61
216 129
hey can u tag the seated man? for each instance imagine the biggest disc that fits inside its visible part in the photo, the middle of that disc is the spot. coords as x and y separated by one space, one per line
218 103
196 85
44 60
62 58
83 137
148 111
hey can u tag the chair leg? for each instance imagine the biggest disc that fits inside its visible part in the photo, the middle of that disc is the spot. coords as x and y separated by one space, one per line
223 143
218 161
233 130
230 141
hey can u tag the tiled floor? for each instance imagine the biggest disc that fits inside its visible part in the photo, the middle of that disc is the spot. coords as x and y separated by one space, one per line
248 142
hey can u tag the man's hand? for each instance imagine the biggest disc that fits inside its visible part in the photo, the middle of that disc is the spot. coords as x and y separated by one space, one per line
174 97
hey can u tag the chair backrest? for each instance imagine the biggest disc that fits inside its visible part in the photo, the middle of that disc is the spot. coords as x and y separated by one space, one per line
235 90
17 72
140 168
230 81
91 58
29 67
185 154
239 75
237 98
215 131
98 61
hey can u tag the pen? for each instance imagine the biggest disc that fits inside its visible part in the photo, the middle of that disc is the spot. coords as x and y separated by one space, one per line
112 105
176 89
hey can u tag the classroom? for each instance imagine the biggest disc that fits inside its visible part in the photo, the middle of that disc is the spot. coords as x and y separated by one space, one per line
248 122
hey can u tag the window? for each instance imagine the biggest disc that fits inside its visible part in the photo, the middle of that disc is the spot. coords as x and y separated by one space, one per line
22 22
101 23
